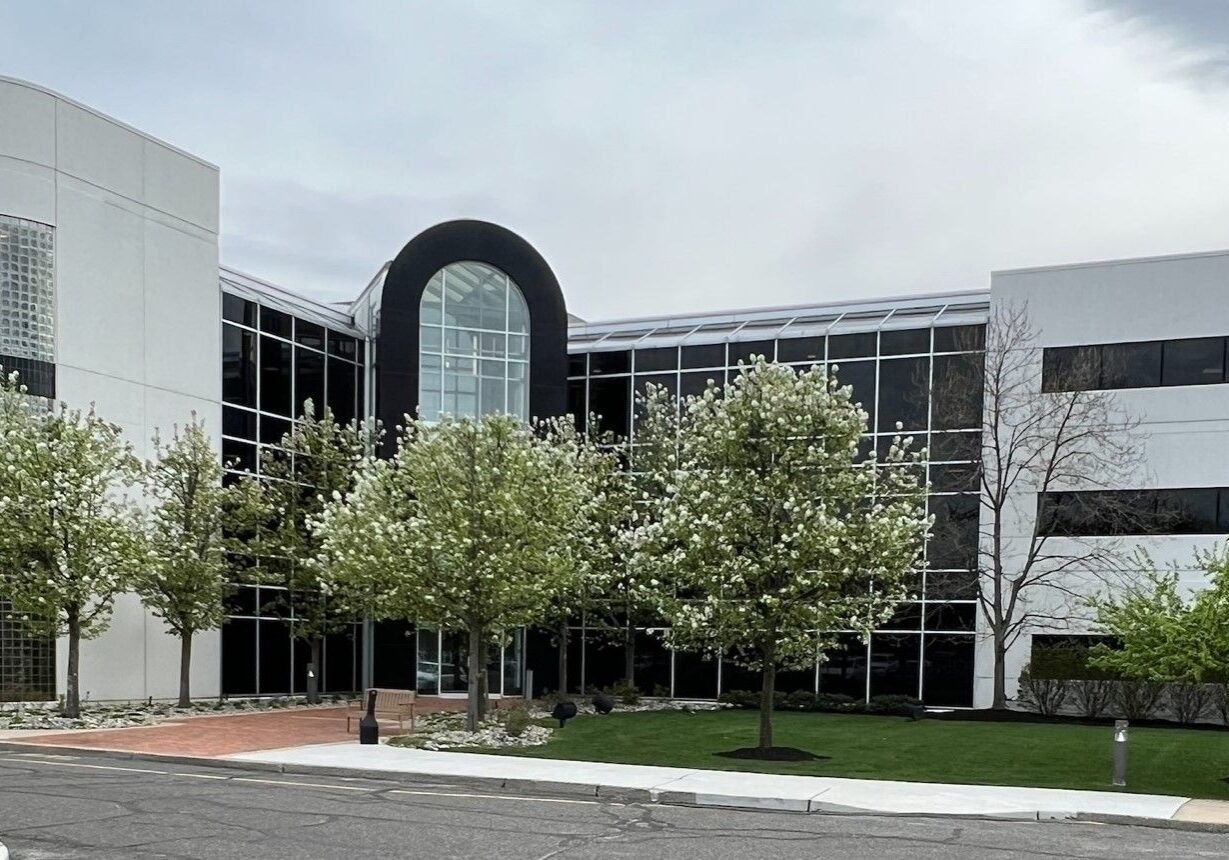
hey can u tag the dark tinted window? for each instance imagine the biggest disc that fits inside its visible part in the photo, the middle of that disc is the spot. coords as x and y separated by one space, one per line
745 350
1095 513
1070 368
1187 511
658 358
240 456
276 322
577 362
958 391
238 422
904 341
954 477
696 383
703 355
860 376
668 381
238 366
610 400
859 345
238 310
239 657
1131 365
951 585
576 402
800 349
953 539
947 677
895 663
903 393
610 362
844 669
960 338
340 392
955 446
309 334
272 430
1197 361
308 380
908 616
1147 364
274 376
343 346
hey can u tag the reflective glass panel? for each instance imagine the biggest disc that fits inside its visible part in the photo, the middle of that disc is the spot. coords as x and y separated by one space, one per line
474 344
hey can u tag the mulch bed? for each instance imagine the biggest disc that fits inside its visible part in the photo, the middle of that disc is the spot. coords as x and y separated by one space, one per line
772 754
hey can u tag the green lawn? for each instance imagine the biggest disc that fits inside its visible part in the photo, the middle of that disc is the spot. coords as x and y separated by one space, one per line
1162 761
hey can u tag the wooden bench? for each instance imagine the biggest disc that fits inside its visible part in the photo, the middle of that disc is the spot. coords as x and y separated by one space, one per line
394 704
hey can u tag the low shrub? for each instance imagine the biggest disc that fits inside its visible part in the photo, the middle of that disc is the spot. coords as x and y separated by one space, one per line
1187 701
890 704
623 693
1092 698
800 700
516 720
1045 695
838 702
1137 700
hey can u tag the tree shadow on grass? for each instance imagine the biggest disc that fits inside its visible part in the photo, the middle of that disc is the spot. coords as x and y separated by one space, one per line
772 754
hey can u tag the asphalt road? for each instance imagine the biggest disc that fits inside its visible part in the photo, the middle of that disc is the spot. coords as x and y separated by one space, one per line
54 806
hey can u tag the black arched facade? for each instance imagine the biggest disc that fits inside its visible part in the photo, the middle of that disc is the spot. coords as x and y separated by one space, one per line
419 260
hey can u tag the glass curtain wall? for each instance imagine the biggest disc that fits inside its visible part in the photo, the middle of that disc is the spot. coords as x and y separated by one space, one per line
27 346
473 344
272 363
927 649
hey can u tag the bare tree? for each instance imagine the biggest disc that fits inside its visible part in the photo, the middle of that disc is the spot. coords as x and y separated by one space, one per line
1045 431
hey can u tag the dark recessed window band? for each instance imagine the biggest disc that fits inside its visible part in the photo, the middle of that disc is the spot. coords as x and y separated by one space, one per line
1139 364
37 376
1115 513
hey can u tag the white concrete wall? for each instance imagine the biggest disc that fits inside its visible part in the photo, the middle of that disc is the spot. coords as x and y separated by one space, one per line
1184 430
138 317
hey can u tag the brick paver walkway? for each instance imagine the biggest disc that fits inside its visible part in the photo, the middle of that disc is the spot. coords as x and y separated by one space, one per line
226 734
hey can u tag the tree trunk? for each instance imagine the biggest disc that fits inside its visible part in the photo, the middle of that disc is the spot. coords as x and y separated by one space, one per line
313 671
72 692
562 634
629 654
185 670
999 702
471 683
484 684
768 685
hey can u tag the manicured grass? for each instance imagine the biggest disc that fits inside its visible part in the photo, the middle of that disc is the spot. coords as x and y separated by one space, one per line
1182 762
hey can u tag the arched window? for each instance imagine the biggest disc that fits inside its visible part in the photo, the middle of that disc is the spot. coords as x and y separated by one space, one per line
473 344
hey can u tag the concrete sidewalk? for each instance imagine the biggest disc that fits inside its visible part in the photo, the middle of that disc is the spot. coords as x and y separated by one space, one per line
733 789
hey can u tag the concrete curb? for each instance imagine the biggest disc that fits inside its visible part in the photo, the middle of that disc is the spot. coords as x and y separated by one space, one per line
591 791
1159 823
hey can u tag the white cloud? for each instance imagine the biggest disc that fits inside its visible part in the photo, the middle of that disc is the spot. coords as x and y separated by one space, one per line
668 157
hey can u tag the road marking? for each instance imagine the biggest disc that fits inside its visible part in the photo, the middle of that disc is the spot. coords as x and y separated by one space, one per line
500 797
96 766
301 784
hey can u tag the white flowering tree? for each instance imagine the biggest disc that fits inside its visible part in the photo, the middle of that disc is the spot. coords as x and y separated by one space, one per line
317 460
70 540
599 586
772 532
188 574
472 526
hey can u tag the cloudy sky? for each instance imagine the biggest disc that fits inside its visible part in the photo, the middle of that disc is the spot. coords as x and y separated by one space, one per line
673 156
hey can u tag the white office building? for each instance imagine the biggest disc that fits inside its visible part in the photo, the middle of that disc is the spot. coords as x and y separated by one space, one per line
111 293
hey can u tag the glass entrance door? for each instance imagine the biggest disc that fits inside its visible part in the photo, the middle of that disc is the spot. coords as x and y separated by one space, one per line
443 664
